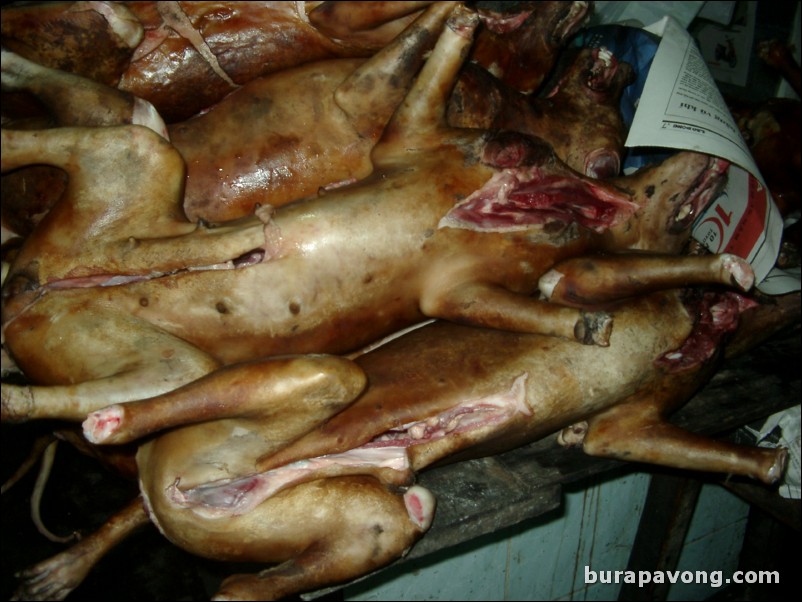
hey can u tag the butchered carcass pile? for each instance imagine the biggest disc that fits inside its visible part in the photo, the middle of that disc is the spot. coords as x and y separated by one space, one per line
224 217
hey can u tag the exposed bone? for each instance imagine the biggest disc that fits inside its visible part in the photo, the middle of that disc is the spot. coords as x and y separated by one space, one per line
420 505
573 435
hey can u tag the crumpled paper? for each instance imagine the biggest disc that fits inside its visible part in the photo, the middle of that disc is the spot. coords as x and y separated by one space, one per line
783 430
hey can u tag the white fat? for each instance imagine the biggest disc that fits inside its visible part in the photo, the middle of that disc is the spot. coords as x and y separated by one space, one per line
146 114
548 282
381 457
228 265
300 9
517 395
466 414
605 56
335 185
719 312
118 280
453 423
417 431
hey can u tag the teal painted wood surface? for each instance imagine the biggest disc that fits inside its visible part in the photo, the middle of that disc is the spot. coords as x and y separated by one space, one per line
545 558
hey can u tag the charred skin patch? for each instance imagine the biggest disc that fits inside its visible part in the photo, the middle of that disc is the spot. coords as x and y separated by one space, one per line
513 149
19 284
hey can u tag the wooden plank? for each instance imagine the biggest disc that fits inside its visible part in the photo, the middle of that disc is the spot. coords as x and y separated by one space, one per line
479 497
786 511
661 533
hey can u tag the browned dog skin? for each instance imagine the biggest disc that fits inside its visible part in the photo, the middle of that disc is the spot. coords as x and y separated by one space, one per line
271 390
306 129
171 75
521 49
423 402
579 116
603 279
204 484
359 21
277 158
30 192
187 56
449 288
357 527
621 433
137 285
73 100
539 385
94 41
